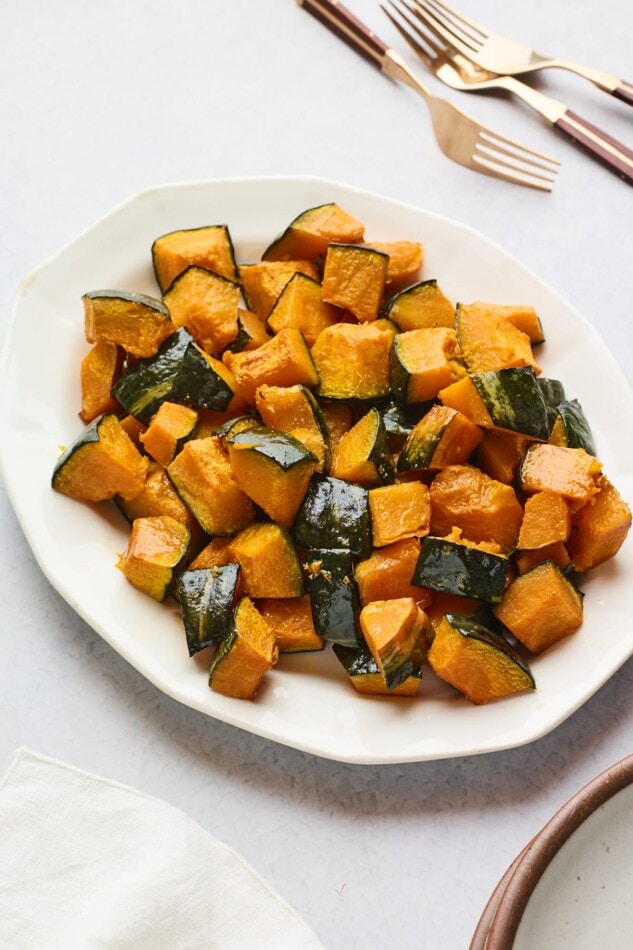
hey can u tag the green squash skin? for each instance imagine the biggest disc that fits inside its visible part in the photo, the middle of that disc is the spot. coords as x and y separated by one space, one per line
179 373
233 426
333 596
380 455
206 598
452 568
552 391
419 449
514 400
467 627
334 514
578 433
272 251
210 227
152 303
401 420
280 447
89 436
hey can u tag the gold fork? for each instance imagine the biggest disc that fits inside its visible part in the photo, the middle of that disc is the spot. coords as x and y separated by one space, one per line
427 37
501 55
460 138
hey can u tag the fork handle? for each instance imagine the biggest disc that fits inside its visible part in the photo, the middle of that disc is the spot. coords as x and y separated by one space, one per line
607 150
624 92
348 28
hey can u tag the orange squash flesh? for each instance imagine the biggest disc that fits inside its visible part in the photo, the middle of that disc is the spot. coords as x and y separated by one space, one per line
253 326
264 282
427 356
171 423
540 607
301 305
216 553
209 247
352 360
405 262
464 397
354 279
308 236
339 419
98 373
353 458
133 429
599 528
130 324
283 361
390 625
159 497
202 475
571 473
292 409
386 574
269 566
442 604
546 520
398 512
206 304
156 546
290 619
278 491
489 341
485 510
500 452
423 305
556 552
245 656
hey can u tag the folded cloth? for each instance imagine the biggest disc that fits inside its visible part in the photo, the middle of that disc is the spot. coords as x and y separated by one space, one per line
87 863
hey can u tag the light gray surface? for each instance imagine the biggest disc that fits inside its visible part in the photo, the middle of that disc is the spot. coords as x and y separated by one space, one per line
100 101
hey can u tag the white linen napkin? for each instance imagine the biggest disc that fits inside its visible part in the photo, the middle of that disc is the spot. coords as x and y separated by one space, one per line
88 864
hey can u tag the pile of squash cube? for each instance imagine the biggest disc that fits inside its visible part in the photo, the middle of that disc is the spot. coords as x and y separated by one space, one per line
320 449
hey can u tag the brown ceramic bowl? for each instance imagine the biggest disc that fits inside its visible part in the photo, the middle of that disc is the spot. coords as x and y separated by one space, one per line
498 925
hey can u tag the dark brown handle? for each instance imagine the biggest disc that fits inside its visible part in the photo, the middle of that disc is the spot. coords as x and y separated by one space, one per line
624 92
607 150
339 19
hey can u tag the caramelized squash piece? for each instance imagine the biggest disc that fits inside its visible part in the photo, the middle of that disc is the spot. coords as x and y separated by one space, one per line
421 363
399 512
134 428
354 279
101 463
217 553
159 497
301 305
423 305
475 661
206 304
482 508
394 631
489 341
366 676
268 561
137 323
290 619
443 436
352 360
168 429
284 361
571 473
98 373
202 476
293 409
523 317
263 283
362 454
308 235
155 549
556 552
251 331
339 419
540 607
386 574
546 520
405 262
245 655
464 397
210 247
600 527
500 452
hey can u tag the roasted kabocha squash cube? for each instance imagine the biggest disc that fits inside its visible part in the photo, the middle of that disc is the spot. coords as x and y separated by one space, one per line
209 247
155 549
600 527
333 595
284 360
263 283
352 360
419 306
159 497
482 508
308 235
386 574
489 340
366 676
216 553
293 409
301 305
556 552
207 597
99 371
245 654
172 425
540 607
546 520
507 398
268 561
398 512
405 262
421 363
334 513
202 476
476 661
395 632
443 436
206 304
572 473
454 567
251 332
500 453
339 419
290 619
135 322
354 279
363 455
571 427
274 470
102 462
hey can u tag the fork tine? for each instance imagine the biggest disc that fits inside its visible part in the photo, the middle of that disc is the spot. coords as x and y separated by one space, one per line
488 148
423 53
427 14
428 37
466 25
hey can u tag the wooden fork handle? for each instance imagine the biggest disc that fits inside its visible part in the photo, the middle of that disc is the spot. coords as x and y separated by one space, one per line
348 28
605 149
624 92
